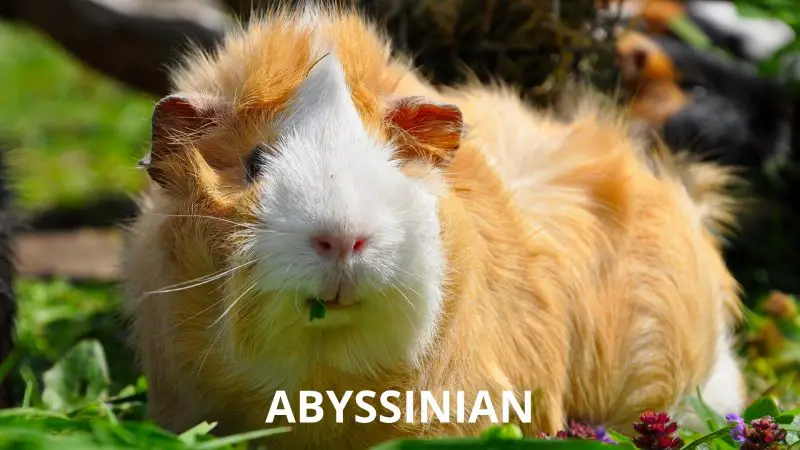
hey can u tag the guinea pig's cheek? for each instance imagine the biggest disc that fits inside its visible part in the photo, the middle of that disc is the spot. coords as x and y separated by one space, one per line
256 328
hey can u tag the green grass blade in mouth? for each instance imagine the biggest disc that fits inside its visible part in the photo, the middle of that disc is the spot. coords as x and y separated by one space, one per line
317 309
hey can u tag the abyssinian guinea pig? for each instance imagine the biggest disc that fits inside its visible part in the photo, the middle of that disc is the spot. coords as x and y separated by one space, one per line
460 240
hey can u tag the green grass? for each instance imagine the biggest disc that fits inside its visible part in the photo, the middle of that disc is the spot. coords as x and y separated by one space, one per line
76 135
82 391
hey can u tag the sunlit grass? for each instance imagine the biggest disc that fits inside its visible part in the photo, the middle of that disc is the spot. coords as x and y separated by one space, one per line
73 133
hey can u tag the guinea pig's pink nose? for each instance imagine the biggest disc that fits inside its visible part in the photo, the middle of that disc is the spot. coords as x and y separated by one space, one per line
338 248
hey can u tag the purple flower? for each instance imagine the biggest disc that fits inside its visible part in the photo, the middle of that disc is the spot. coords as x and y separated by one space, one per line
739 427
602 435
579 430
763 434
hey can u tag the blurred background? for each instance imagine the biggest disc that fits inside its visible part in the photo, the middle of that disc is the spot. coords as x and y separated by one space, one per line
78 80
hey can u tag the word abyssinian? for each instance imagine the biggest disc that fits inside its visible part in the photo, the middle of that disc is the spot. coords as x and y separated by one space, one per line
446 407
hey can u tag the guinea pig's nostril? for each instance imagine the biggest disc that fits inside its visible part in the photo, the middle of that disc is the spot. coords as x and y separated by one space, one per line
338 247
322 244
359 245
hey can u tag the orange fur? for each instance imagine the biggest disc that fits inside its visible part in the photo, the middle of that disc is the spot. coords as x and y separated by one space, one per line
575 269
658 14
650 76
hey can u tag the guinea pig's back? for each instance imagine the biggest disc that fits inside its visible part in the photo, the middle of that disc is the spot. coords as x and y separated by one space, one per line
646 286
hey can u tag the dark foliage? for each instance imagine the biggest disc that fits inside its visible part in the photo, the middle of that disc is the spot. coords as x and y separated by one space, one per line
8 309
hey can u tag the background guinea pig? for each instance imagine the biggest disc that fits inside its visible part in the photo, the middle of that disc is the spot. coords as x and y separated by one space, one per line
720 110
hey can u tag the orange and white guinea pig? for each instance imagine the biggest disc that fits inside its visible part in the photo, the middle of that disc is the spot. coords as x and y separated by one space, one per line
461 242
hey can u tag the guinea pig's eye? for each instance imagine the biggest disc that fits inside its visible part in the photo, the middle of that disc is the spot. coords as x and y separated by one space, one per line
253 163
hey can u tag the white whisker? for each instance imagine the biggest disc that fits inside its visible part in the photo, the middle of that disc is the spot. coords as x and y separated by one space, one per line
410 320
217 335
399 290
229 308
203 216
199 281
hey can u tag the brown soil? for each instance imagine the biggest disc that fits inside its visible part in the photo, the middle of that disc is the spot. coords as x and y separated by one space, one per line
84 254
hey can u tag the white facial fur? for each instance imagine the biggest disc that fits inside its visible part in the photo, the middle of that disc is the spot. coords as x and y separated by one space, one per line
327 174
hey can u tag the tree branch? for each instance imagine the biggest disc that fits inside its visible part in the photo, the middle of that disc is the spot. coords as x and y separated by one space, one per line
136 41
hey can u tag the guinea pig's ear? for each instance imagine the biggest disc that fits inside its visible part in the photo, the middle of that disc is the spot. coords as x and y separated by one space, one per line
176 119
638 58
423 128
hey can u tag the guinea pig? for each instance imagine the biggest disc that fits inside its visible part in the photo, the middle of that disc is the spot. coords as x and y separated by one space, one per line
649 74
714 108
459 240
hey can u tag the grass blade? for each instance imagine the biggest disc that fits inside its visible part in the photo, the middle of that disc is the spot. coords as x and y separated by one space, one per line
714 435
9 363
619 437
243 437
710 417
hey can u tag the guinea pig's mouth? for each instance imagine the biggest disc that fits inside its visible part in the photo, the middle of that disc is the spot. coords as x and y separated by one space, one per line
330 304
335 295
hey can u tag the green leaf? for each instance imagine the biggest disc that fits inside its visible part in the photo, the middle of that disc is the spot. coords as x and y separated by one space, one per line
724 443
774 65
13 438
28 413
189 437
242 437
785 10
788 416
80 377
317 310
711 418
792 436
690 33
141 435
507 431
141 383
8 363
478 443
714 435
619 437
764 406
748 9
31 386
138 397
